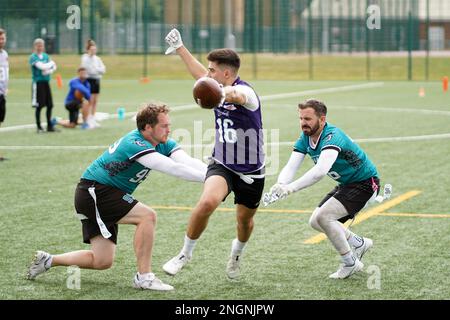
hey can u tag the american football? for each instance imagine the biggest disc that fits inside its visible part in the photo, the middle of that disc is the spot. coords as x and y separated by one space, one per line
207 93
78 95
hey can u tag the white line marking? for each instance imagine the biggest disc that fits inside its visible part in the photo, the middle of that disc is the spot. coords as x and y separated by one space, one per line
285 143
263 98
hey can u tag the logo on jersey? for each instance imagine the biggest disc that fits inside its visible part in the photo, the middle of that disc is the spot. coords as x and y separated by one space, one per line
230 107
140 143
329 137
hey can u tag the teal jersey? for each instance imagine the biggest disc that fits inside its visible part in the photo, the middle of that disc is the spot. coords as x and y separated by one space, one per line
352 164
37 73
117 167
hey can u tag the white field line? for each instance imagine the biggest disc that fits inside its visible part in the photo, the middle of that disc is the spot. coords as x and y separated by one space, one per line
263 98
285 143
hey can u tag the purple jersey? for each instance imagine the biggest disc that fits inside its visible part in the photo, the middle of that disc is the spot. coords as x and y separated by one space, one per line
239 136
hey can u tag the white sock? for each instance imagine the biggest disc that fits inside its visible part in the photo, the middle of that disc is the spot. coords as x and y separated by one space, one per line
48 263
237 247
189 246
348 259
145 275
355 240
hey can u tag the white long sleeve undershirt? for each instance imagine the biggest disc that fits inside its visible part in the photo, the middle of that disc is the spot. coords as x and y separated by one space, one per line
324 163
159 162
288 172
181 156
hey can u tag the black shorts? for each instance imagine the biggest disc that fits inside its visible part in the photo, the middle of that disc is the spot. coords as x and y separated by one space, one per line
2 108
41 94
354 196
95 85
112 204
248 195
73 107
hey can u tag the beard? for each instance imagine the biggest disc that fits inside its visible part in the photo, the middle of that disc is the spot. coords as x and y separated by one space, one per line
311 131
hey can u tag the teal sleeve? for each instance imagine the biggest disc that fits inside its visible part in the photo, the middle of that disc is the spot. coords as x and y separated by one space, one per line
33 59
136 148
169 147
334 140
300 146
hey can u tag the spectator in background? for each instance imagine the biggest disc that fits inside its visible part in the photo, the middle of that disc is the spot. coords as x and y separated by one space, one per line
77 98
95 69
41 68
4 76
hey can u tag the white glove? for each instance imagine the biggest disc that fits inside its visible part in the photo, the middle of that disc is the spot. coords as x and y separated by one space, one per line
281 190
51 69
174 41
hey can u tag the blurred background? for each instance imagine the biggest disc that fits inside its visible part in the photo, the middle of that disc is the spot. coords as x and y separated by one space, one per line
410 42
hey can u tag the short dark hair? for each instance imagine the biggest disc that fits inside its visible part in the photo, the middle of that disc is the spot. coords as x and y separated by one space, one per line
319 107
81 69
2 31
148 114
226 57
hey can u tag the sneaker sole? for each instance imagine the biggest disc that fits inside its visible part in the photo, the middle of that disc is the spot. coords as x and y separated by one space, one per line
357 268
153 289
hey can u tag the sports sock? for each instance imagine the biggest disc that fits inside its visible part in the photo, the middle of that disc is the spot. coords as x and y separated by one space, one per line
144 275
189 246
355 240
237 247
348 259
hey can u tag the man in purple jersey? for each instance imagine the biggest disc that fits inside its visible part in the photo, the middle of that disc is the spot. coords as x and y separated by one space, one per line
237 162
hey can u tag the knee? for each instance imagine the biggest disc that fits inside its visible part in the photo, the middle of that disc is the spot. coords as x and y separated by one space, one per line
245 223
103 264
149 217
313 221
207 205
318 219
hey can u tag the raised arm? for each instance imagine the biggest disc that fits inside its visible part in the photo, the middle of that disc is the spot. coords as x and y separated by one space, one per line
195 68
158 162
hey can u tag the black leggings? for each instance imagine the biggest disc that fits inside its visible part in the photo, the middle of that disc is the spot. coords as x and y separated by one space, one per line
48 114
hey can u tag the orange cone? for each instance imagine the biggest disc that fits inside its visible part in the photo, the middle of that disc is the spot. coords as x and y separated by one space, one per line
422 92
445 84
59 81
145 80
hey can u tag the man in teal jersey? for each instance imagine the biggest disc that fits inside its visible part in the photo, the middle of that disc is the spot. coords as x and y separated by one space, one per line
103 197
41 95
337 156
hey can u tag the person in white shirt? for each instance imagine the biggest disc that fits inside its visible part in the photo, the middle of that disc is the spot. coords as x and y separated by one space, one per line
95 68
4 76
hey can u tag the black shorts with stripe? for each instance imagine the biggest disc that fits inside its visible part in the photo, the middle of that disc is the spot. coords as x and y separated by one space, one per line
112 204
2 108
248 195
354 196
41 94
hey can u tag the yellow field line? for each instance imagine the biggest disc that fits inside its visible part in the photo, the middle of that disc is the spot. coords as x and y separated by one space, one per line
231 209
385 214
369 213
415 215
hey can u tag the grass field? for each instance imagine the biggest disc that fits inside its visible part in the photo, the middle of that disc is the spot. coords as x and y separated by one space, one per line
261 66
411 236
